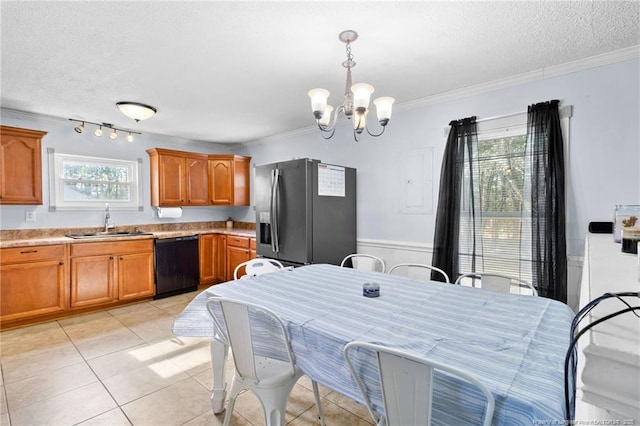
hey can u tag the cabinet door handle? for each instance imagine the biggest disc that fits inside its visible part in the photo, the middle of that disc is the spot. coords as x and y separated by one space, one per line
61 263
28 251
121 258
110 257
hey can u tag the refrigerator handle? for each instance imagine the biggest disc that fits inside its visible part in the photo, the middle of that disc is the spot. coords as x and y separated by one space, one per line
275 177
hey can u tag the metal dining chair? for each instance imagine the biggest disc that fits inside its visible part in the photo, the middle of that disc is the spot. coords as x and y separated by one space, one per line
497 282
364 262
418 270
257 266
406 384
262 355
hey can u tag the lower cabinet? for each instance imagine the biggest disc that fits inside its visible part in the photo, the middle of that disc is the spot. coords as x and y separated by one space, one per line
220 254
252 248
33 282
213 267
238 251
104 273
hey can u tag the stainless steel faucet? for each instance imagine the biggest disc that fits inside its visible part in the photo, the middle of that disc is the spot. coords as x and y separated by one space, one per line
108 224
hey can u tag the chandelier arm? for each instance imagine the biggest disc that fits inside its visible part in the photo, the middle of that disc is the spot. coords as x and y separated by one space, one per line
378 134
331 127
355 136
326 130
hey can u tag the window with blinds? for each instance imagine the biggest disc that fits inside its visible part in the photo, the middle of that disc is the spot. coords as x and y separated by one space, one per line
80 182
500 233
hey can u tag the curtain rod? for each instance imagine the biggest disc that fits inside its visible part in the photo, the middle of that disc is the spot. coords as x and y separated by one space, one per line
564 111
501 116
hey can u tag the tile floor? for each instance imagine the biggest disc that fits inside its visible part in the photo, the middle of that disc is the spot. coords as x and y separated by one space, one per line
124 366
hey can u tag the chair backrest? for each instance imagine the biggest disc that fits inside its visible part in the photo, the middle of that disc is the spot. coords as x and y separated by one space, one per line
365 262
257 266
497 282
406 384
417 270
251 331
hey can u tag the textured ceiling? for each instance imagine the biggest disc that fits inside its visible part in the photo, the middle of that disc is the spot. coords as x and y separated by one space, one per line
239 71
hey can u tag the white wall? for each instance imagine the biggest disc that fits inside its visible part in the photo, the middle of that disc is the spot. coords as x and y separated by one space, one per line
603 167
62 138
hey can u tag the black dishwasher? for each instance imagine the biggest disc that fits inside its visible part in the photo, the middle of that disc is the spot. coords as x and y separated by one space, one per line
177 265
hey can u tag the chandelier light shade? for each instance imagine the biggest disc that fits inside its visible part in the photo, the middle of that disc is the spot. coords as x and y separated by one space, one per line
113 135
356 101
136 110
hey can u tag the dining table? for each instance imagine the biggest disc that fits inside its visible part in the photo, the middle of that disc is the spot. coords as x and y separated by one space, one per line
514 344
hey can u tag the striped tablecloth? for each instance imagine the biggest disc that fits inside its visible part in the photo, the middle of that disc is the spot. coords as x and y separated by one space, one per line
514 344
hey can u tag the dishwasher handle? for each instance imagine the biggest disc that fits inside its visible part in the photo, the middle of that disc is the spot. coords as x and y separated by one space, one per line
174 239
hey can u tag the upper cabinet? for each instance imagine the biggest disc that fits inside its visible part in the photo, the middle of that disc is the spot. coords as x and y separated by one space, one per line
20 166
181 178
229 180
178 178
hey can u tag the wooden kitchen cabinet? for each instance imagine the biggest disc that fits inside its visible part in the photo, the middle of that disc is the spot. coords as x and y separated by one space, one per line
229 180
238 251
178 178
34 282
108 272
213 257
252 248
20 166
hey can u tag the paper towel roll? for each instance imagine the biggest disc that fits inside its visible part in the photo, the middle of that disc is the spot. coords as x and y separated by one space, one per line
169 212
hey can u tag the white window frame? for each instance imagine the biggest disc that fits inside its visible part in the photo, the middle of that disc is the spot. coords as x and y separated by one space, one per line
56 183
516 124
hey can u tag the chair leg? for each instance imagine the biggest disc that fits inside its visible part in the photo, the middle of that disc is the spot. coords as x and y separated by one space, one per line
274 403
316 395
233 394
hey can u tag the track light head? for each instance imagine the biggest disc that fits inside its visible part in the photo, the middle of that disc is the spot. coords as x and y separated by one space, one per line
113 134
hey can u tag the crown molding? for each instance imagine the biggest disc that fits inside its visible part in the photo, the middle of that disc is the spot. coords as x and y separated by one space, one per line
604 59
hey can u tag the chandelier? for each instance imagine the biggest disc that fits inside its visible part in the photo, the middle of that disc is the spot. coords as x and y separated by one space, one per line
356 101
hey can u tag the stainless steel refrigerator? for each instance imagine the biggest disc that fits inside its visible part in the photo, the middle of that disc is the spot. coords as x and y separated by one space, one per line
305 211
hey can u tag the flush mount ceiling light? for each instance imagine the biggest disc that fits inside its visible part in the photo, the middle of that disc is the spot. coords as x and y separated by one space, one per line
136 110
356 100
98 132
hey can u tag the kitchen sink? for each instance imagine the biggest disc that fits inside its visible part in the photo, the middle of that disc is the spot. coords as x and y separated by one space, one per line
109 234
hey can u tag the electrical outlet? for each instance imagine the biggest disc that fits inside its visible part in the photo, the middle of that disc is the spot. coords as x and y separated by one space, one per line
30 215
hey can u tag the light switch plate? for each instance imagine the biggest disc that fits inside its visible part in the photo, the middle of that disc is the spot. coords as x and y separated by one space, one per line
30 216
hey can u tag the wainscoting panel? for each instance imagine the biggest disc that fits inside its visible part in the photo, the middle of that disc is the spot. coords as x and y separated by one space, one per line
394 252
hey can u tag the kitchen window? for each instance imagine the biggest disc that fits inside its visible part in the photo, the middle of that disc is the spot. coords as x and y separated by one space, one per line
80 182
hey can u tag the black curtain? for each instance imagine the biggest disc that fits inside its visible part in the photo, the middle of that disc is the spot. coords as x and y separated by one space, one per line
461 143
545 154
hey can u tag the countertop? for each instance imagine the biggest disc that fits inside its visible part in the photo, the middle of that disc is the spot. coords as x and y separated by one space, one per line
49 240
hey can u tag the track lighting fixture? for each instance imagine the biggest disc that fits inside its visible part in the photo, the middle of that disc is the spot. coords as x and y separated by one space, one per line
113 135
136 110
